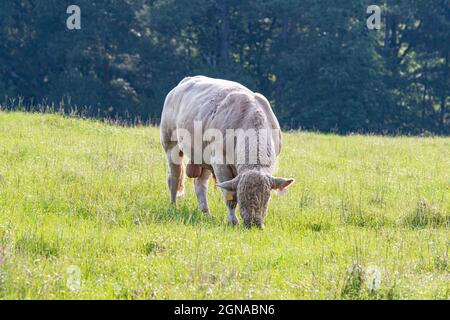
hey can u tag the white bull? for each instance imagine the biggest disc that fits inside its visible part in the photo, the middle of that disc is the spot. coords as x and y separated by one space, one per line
227 131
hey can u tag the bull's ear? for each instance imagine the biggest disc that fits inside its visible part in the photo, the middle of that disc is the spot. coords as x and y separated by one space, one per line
230 185
281 183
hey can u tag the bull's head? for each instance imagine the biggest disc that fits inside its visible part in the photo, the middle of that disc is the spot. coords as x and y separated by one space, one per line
253 190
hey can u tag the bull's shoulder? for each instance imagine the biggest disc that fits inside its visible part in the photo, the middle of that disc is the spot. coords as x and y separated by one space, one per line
272 119
265 105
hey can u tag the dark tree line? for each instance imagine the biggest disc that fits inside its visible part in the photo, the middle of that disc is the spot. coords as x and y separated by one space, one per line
315 60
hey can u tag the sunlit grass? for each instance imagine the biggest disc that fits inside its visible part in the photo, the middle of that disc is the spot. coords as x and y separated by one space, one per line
368 218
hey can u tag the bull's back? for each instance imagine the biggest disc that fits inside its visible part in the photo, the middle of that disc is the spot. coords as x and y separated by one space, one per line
215 103
194 98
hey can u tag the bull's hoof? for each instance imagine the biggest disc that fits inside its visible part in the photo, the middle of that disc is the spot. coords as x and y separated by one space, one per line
205 211
180 193
233 221
250 225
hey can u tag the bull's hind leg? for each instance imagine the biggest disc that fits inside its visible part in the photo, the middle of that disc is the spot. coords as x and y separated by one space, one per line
176 175
201 190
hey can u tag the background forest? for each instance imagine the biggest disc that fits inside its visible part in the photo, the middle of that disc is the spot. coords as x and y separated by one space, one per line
315 60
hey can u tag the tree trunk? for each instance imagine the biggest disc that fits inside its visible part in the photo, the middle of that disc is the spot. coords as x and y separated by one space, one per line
387 26
224 32
280 78
442 114
390 34
444 97
424 97
424 106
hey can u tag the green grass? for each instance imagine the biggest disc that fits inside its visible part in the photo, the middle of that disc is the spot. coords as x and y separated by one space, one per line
368 218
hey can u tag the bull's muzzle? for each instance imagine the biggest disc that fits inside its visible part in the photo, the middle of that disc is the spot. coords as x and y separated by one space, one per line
249 223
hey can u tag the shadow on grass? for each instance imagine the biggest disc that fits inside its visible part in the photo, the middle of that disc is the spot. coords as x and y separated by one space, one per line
425 215
36 245
181 213
318 226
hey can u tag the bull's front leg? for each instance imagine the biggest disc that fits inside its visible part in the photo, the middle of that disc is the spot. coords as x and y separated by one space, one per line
231 205
201 190
224 173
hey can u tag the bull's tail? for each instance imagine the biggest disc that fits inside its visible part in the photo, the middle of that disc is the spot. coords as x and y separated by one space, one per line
181 180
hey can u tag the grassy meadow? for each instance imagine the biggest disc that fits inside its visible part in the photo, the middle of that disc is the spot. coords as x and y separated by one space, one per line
85 214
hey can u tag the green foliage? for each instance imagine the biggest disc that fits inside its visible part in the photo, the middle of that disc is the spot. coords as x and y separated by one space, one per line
316 61
81 195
